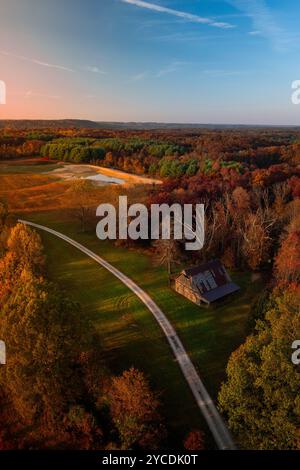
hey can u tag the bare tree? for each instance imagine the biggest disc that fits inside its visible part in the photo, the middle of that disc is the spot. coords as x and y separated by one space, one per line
256 238
167 254
80 197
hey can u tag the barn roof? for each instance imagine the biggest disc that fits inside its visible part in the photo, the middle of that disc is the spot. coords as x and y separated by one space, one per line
214 264
220 292
210 279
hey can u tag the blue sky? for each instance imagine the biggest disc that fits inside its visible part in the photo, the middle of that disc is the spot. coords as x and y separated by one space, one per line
207 61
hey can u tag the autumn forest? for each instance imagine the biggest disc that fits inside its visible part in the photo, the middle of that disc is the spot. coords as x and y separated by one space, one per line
77 373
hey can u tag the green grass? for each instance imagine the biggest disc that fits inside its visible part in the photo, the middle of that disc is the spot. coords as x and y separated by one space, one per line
130 335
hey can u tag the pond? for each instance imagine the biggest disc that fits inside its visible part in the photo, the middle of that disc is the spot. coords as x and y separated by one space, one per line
100 178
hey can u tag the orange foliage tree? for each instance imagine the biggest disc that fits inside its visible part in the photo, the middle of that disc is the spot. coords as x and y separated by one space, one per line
194 440
135 411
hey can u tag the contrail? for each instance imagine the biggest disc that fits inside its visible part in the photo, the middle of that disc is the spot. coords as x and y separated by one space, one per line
180 14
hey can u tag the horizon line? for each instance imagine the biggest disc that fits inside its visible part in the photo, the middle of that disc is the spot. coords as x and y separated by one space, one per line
174 123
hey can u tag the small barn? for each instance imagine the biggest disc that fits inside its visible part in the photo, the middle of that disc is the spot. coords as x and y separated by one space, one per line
205 283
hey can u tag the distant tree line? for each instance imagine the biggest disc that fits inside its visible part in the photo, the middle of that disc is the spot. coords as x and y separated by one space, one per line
78 152
162 153
133 154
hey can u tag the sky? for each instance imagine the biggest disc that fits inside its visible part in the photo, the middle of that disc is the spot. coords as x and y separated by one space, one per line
189 61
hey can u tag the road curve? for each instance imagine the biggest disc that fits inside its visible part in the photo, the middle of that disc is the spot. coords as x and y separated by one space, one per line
215 423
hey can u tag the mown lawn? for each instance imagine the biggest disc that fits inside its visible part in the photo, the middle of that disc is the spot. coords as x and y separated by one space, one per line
130 336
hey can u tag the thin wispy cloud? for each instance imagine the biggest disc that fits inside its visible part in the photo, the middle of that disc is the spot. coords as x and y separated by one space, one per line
88 68
255 33
138 77
171 68
168 69
263 20
179 14
93 69
53 66
223 73
32 94
188 37
37 62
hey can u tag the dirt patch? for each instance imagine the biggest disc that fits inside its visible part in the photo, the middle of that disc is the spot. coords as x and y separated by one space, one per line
100 175
128 177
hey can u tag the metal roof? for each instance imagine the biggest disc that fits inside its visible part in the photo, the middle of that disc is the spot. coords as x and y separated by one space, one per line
209 280
220 292
214 264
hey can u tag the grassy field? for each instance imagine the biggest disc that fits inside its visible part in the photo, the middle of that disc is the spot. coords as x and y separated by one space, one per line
130 335
32 188
34 166
26 187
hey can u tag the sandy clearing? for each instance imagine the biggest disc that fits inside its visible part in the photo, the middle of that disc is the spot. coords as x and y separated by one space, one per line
127 177
101 175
